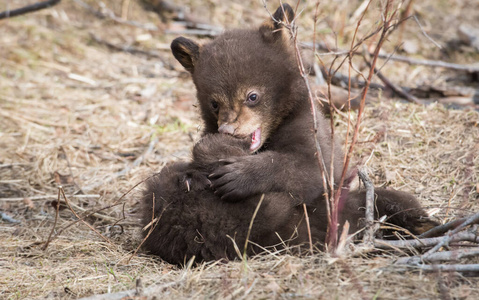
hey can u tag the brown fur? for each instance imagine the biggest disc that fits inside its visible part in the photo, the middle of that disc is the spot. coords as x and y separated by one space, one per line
199 204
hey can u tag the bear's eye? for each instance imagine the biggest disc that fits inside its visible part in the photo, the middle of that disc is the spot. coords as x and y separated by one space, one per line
252 98
214 106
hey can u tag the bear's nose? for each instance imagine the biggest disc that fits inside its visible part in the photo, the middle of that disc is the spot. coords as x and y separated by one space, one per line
226 128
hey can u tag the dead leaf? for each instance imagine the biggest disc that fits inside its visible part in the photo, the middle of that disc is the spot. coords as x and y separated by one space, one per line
272 285
290 269
390 176
469 35
184 101
410 47
29 203
61 179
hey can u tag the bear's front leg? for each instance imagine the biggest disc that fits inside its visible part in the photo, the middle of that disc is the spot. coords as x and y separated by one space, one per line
240 177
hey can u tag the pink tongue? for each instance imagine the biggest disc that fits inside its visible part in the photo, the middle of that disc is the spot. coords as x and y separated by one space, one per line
255 140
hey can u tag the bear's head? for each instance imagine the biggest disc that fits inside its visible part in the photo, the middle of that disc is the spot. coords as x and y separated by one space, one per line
247 81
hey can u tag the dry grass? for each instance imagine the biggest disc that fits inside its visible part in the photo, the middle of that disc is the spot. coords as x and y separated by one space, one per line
73 113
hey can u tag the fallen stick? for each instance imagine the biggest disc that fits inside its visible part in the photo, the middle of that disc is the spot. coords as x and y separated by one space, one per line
441 229
108 14
448 268
130 294
7 218
369 232
215 30
398 90
23 117
131 50
169 10
453 255
427 91
47 197
431 63
446 239
13 165
400 58
28 9
424 243
200 32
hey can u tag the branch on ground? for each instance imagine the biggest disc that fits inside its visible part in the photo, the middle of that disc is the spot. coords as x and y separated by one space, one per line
369 232
424 243
132 50
474 68
28 9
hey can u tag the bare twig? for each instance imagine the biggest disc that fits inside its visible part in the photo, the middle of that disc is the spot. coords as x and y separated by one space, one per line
83 221
92 214
348 156
70 169
319 154
47 197
116 203
309 229
251 226
28 9
328 181
57 212
24 117
425 34
369 232
405 14
152 225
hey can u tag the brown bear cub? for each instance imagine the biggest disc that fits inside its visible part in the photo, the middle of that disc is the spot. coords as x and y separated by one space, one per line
258 140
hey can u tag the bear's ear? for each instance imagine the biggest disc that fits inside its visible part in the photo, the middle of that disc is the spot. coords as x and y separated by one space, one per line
271 29
186 52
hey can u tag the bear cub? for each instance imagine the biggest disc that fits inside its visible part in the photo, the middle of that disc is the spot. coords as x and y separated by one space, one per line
257 155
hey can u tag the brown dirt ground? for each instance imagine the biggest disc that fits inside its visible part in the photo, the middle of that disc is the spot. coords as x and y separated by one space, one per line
76 114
